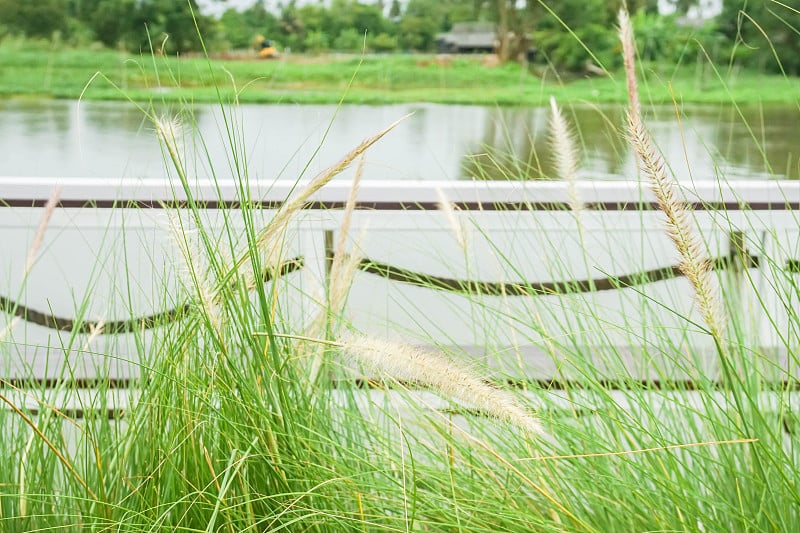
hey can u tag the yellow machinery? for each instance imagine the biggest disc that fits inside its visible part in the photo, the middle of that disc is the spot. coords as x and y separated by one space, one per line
266 50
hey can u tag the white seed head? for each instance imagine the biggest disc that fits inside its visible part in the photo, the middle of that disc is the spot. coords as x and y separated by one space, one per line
449 211
453 380
565 154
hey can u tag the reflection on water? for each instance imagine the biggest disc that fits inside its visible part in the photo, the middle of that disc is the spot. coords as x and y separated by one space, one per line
111 139
708 141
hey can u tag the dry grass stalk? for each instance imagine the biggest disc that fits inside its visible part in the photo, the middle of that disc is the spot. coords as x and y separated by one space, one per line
169 131
629 60
344 264
694 262
271 240
565 155
35 248
49 208
449 209
22 478
408 363
323 178
95 331
340 277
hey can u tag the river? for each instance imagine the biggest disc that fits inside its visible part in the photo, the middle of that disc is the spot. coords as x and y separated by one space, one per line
436 142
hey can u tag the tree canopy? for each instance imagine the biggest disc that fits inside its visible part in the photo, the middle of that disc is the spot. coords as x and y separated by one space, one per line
576 35
764 34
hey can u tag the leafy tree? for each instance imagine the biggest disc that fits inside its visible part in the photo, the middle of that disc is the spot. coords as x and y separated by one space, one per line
235 29
515 23
115 22
417 33
41 18
364 18
423 19
171 24
635 6
138 24
383 42
394 11
656 35
764 34
443 13
349 40
578 33
291 25
316 17
262 21
316 42
238 29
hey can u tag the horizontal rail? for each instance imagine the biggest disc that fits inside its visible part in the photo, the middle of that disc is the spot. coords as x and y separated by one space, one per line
398 195
580 401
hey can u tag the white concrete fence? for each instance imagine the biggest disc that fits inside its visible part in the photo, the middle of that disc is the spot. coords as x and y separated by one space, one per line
510 276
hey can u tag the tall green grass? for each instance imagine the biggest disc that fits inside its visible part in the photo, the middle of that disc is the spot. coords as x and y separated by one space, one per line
235 426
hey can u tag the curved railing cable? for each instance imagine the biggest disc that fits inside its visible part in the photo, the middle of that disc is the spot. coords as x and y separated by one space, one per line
129 325
526 288
396 274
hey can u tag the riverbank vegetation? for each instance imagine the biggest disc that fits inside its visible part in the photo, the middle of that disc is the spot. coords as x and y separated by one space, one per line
569 35
30 70
353 47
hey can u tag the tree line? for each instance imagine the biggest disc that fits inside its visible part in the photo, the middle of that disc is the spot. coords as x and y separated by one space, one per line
567 34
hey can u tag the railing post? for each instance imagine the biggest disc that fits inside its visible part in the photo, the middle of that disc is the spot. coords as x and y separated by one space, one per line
328 255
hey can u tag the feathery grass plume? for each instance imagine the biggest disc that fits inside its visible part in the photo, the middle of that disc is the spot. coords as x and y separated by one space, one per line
344 265
629 60
408 363
95 331
49 208
320 180
694 262
196 275
449 209
340 277
168 131
270 239
565 155
35 247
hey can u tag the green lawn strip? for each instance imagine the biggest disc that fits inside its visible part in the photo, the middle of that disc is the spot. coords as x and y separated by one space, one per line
379 80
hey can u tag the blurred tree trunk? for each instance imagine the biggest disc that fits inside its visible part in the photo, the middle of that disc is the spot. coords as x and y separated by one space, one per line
514 25
503 30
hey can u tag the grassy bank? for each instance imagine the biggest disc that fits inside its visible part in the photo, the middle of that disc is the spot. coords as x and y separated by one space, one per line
64 73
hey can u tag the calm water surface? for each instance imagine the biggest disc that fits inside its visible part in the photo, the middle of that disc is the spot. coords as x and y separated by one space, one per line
110 139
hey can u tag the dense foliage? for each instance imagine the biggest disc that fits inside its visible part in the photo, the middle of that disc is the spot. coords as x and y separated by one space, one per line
763 34
569 35
166 25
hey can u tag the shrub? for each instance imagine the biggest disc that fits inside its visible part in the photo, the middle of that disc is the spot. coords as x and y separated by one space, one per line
349 40
383 42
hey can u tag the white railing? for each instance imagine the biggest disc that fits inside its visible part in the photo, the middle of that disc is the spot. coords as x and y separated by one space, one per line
507 276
